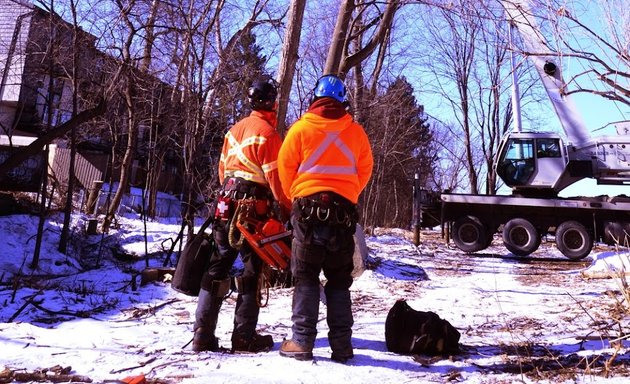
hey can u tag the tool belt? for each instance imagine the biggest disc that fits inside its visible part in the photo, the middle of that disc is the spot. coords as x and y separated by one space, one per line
326 207
239 188
246 208
235 189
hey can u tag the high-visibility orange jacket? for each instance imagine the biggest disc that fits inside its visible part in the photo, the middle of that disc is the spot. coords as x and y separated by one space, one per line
250 151
325 150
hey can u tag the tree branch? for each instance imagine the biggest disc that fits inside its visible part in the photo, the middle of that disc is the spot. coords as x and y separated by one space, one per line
37 145
363 53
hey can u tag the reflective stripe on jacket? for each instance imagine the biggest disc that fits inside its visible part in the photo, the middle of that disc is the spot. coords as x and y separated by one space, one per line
325 154
250 151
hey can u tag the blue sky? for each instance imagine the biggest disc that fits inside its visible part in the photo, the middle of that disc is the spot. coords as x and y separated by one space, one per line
597 112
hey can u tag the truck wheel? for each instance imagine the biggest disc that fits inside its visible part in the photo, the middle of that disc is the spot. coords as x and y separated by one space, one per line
520 237
574 240
469 234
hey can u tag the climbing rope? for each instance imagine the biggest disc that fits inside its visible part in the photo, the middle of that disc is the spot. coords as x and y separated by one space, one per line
234 237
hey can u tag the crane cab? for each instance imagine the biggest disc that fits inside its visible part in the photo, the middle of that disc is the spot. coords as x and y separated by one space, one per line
532 163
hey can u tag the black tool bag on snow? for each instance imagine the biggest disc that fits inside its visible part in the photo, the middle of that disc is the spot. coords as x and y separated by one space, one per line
193 261
408 331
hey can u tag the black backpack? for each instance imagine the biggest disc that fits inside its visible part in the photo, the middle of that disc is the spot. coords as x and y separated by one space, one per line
408 331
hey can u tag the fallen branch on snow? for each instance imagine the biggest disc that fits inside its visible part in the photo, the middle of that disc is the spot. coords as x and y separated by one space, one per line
142 312
603 274
56 374
140 365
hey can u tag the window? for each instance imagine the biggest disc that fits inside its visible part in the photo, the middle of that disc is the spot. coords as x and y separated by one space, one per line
58 114
517 165
548 148
520 149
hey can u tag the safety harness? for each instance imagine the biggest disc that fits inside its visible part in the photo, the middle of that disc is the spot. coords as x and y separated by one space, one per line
247 208
327 208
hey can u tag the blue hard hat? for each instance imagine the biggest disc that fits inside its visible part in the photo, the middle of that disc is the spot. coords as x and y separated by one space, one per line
330 86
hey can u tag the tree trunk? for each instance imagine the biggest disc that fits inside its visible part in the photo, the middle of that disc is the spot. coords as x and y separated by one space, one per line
153 183
359 78
338 43
380 59
338 61
288 59
37 145
145 64
127 162
65 230
350 61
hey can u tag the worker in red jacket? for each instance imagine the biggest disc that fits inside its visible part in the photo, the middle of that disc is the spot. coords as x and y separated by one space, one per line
247 169
325 162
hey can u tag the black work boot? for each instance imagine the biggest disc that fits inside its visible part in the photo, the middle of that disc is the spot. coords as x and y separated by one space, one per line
256 343
207 315
205 340
342 356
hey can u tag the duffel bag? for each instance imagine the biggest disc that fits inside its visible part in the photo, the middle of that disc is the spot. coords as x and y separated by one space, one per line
193 261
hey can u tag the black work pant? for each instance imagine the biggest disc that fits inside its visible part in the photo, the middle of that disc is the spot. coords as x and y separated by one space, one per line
221 261
321 246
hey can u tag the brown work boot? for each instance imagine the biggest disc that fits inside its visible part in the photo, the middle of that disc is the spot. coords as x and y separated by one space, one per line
257 343
290 348
204 341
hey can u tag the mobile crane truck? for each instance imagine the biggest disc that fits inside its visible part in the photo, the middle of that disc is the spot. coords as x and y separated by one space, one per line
537 166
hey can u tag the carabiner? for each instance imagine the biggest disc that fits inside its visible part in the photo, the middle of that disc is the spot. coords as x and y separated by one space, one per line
310 214
327 214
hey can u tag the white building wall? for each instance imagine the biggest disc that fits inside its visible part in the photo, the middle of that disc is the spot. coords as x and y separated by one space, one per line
14 28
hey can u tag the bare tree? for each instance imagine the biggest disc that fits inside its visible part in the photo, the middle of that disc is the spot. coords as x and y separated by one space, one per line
129 93
339 59
448 172
286 69
65 230
455 37
204 42
470 72
402 147
138 92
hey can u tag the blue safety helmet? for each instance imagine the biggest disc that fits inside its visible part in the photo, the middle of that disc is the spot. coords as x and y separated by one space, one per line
330 86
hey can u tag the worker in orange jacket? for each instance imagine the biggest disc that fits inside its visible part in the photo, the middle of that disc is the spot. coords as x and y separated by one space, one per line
247 169
324 163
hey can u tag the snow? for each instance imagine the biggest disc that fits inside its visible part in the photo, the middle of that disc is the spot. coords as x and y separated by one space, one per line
90 312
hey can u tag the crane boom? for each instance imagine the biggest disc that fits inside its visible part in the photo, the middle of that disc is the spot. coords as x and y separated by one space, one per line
603 158
544 59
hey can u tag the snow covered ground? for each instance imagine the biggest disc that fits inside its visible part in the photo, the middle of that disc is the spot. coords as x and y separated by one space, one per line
536 319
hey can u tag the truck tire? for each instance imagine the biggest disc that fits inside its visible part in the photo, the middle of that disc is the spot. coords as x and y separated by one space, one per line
574 240
469 234
520 237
